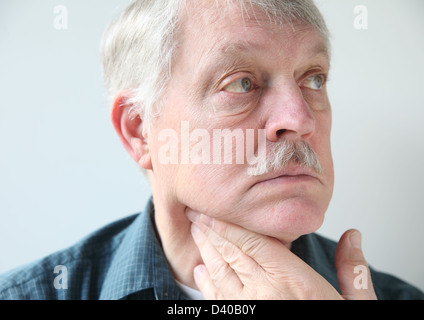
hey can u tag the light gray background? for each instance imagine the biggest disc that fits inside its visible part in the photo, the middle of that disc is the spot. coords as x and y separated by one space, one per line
64 174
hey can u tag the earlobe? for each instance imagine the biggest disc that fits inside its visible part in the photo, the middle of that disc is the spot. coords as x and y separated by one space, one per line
128 124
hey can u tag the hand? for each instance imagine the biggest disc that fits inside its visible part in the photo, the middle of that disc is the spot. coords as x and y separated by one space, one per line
241 264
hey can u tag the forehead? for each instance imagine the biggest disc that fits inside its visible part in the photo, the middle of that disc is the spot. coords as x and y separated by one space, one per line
214 28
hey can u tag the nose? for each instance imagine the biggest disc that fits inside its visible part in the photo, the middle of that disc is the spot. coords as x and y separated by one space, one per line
290 115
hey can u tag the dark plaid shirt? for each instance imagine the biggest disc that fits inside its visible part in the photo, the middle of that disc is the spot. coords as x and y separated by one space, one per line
124 260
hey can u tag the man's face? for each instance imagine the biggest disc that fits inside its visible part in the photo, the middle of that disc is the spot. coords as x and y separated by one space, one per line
241 71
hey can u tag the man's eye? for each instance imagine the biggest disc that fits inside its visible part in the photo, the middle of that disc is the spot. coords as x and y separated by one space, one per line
314 82
242 85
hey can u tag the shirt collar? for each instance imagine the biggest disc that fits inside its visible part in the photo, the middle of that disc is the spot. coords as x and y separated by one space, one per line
140 264
318 253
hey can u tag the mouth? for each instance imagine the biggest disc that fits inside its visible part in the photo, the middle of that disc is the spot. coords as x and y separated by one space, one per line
289 175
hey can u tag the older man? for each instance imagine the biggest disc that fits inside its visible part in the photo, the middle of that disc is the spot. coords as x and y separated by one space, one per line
224 106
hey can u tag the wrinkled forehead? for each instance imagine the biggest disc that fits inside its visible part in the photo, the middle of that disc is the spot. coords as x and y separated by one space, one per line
223 18
214 30
208 13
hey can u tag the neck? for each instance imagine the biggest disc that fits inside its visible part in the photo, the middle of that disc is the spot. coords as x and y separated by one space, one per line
181 252
173 229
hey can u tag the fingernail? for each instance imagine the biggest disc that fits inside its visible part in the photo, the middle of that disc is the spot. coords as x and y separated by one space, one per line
355 239
199 270
192 216
195 232
206 220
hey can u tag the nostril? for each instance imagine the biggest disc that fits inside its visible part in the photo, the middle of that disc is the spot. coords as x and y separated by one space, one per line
280 132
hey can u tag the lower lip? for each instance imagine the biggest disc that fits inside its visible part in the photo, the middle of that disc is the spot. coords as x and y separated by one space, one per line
289 179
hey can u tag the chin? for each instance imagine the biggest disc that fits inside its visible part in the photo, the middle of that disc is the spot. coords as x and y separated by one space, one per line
289 219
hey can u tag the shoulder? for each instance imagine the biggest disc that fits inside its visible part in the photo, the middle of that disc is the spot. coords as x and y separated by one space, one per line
389 287
386 286
73 273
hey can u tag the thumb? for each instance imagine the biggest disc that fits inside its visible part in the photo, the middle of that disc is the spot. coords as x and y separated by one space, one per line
353 274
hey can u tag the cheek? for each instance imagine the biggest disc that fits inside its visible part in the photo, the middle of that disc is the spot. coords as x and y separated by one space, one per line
210 189
321 141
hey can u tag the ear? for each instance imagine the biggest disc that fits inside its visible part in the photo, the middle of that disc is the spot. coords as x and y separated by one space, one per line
128 125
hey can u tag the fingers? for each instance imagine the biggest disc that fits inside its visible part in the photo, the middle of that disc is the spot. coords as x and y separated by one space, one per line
205 283
237 261
217 277
353 274
232 241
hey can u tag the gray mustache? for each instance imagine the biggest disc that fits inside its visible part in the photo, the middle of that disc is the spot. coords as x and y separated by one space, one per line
284 153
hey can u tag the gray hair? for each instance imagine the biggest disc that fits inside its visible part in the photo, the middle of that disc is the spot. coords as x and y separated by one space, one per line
138 46
284 152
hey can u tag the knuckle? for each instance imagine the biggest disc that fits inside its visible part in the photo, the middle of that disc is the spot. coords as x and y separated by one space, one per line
230 252
252 244
219 270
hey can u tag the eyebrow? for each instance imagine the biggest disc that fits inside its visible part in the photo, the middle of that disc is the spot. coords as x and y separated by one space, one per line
321 48
234 51
220 58
242 49
228 55
240 46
